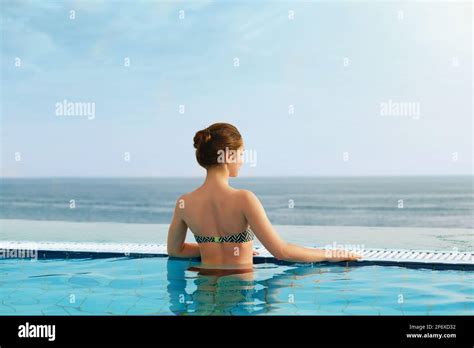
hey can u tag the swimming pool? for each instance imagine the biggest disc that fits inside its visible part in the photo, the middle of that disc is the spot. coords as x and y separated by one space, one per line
164 286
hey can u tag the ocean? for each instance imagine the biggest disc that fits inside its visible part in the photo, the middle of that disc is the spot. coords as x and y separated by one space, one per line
313 201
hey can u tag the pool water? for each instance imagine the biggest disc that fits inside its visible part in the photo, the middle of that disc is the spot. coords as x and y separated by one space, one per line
163 286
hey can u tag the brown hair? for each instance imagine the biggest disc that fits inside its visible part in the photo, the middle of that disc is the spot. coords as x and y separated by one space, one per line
213 139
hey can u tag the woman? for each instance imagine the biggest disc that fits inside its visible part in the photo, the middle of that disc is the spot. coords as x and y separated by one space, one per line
225 220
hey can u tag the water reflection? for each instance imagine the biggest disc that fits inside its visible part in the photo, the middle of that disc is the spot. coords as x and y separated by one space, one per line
196 291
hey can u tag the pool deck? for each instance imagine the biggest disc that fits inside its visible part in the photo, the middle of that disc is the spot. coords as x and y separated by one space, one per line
67 250
444 239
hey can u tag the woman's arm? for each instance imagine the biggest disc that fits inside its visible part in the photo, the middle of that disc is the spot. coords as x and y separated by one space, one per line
177 235
264 231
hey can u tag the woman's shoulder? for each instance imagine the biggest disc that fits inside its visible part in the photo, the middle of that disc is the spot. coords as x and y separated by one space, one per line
192 195
246 196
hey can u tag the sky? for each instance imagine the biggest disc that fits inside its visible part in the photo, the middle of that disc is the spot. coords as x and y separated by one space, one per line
316 88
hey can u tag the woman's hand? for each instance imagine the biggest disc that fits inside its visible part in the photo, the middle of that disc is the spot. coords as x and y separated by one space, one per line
343 256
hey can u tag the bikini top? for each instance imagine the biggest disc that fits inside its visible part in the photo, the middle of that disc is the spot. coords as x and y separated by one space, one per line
242 237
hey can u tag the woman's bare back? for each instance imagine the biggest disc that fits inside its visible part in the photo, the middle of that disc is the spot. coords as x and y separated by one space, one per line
217 212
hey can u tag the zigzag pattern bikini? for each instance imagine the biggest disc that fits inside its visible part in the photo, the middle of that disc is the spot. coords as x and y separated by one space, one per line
242 237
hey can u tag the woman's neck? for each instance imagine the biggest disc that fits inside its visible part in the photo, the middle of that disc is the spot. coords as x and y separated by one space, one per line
217 176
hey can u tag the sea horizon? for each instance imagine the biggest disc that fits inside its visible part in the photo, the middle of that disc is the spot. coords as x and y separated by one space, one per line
390 201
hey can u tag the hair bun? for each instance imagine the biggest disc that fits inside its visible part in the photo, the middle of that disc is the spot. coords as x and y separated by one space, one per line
202 137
